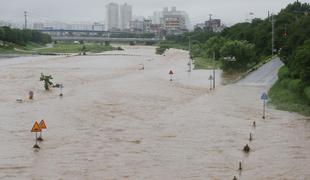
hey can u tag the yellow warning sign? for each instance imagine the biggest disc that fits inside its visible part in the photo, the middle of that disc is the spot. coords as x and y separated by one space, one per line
42 124
36 127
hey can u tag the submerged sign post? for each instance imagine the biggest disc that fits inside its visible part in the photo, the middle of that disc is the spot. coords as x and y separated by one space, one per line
264 97
171 74
36 128
42 126
61 86
210 78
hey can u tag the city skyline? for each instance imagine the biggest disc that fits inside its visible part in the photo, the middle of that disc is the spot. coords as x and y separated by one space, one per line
230 12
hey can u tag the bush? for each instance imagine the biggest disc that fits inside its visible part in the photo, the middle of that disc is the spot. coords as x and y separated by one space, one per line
307 92
285 82
295 85
283 73
161 49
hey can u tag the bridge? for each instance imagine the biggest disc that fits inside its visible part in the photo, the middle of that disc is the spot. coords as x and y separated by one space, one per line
104 39
94 35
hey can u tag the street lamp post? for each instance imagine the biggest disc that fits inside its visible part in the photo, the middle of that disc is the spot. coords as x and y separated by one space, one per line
190 55
213 69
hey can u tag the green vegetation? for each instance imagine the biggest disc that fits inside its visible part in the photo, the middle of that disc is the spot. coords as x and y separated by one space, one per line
206 63
75 48
284 97
47 81
292 91
22 37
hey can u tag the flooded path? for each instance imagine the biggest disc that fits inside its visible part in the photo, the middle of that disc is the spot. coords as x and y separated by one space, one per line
118 122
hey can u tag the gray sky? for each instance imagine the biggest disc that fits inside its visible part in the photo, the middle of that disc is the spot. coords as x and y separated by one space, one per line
230 11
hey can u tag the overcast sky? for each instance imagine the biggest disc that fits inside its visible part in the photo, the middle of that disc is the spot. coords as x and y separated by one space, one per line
230 11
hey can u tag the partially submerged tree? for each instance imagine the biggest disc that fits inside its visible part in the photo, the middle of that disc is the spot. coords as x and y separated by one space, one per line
46 79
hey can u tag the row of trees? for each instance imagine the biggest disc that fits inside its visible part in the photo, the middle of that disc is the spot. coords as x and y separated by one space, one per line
22 37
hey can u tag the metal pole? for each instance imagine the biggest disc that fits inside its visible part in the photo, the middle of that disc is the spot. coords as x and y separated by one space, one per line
264 109
25 14
214 70
272 34
190 56
36 138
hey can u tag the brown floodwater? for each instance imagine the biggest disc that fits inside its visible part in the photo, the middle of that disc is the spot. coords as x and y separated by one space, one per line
118 122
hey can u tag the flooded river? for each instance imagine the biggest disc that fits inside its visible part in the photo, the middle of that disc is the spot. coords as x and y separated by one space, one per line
118 122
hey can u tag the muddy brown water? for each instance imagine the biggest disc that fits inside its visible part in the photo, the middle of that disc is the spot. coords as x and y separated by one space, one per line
118 122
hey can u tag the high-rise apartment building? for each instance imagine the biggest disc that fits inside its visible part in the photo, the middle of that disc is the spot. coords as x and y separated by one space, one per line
112 17
125 16
175 21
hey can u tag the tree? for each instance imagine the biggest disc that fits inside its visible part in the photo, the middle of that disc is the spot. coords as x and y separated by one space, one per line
301 64
2 33
241 54
214 45
47 82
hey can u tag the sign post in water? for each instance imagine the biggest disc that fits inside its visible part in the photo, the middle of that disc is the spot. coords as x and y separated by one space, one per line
264 97
211 79
171 74
36 128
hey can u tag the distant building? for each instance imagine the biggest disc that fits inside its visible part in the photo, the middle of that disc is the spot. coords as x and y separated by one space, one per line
112 17
174 21
125 16
38 26
136 25
98 26
214 25
157 17
147 25
200 26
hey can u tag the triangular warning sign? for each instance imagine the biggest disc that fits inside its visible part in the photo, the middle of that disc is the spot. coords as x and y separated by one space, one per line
42 124
36 127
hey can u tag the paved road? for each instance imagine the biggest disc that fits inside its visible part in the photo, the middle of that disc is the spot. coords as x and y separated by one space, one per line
265 76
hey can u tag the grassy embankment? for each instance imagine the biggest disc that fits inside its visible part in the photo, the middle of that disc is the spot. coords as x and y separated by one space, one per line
34 48
290 94
11 48
199 62
75 48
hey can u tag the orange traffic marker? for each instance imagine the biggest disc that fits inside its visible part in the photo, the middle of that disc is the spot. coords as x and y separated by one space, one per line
42 124
36 128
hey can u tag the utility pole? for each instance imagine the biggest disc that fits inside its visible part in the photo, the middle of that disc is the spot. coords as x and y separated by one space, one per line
190 55
210 22
213 70
25 14
272 34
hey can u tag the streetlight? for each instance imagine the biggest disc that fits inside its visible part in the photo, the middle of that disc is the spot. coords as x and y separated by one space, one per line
213 69
190 55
